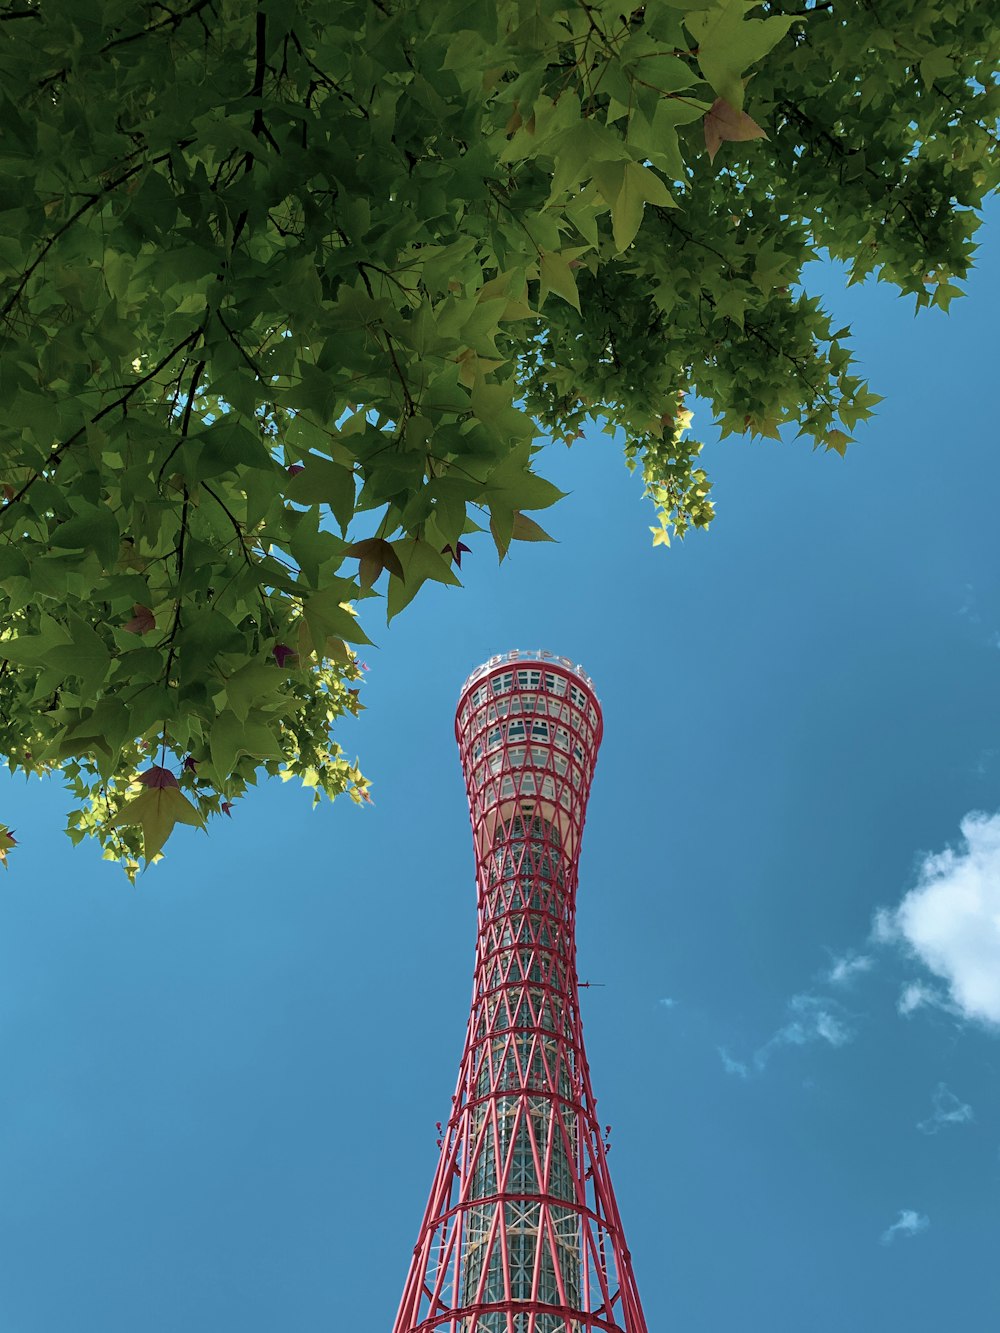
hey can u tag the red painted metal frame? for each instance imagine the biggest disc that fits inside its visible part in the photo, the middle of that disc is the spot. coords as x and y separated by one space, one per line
522 1232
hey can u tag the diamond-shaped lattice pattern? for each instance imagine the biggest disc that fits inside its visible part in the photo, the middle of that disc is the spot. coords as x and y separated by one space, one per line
522 1233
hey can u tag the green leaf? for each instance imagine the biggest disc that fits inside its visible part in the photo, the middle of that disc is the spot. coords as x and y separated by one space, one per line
34 649
86 657
227 445
513 483
729 43
838 441
253 685
13 563
203 637
493 406
7 841
557 276
525 529
420 561
328 614
156 811
323 481
576 150
93 528
231 737
627 187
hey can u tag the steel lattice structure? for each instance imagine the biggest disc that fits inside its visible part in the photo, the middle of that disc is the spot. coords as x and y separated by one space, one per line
522 1232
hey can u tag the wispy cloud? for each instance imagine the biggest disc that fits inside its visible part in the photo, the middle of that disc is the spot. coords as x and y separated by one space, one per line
918 995
951 921
732 1066
812 1018
667 1002
968 609
908 1223
947 1110
884 929
844 970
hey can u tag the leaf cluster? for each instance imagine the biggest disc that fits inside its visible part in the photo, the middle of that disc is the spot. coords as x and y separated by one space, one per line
288 292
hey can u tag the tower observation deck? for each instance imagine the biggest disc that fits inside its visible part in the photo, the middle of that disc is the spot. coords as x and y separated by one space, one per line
521 1233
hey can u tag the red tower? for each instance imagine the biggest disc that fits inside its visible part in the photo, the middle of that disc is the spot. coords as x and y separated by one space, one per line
522 1232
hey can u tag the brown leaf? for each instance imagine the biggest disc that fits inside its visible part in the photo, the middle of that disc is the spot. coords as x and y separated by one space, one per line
142 620
373 555
723 123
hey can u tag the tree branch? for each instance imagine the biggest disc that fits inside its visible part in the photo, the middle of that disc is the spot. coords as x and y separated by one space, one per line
172 20
88 203
185 422
257 127
57 454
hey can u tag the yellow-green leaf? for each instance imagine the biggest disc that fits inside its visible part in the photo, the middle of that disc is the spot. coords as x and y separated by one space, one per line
638 186
557 276
527 530
838 441
7 841
729 43
420 561
156 811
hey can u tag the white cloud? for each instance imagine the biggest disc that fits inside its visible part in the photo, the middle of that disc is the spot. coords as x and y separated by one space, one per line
908 1223
918 995
951 922
947 1110
732 1066
667 1002
844 970
813 1018
884 929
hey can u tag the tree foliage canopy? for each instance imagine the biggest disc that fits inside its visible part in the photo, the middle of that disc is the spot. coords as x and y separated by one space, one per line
289 292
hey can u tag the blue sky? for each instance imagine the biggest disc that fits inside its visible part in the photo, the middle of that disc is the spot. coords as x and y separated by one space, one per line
218 1090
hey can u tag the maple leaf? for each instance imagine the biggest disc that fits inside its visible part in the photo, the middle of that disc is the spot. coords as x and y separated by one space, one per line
157 777
456 552
527 530
7 841
282 653
142 620
724 123
157 810
294 469
373 555
191 764
227 808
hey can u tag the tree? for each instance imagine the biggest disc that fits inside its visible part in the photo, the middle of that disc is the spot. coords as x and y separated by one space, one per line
290 290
